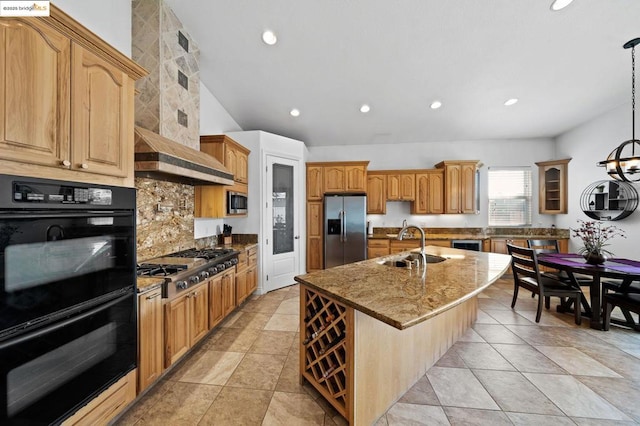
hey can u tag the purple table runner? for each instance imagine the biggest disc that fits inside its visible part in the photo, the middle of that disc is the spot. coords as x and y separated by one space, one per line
575 260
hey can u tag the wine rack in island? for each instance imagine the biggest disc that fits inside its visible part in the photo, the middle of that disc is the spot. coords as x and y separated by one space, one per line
327 343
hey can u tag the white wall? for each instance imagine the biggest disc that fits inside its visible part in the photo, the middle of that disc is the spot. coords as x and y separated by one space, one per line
587 144
111 20
492 153
214 119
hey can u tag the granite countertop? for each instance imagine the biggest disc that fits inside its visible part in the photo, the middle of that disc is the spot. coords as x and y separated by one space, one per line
145 284
401 297
474 233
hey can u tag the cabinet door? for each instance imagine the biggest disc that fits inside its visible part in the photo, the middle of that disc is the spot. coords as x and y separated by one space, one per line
230 160
355 178
176 329
315 183
252 279
102 110
314 236
397 246
407 187
393 187
229 292
35 98
216 311
334 179
453 181
199 314
377 252
552 183
149 338
242 164
376 190
241 286
468 188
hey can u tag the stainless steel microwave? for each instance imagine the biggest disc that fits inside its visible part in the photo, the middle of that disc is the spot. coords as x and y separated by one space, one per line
236 202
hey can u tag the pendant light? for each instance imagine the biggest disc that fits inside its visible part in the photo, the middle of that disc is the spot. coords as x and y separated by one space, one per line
623 163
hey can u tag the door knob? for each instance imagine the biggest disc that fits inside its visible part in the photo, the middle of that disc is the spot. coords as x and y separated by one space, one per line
296 237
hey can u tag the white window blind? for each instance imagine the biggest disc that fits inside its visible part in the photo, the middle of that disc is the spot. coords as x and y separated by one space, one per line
509 196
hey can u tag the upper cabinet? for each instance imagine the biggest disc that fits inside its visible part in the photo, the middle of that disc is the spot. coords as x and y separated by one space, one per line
401 186
460 186
552 186
335 176
230 153
66 103
315 182
211 200
429 192
376 193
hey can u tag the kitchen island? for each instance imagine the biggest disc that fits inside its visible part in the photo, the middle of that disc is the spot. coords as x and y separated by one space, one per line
369 331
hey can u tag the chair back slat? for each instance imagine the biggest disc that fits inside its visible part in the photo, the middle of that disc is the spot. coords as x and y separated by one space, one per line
524 262
543 246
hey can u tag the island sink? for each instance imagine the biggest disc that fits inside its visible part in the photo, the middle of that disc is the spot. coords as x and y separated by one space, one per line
407 261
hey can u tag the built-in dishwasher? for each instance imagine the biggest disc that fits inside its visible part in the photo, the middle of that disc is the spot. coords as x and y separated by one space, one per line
475 245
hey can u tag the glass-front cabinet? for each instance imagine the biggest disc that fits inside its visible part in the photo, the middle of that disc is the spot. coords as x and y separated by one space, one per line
552 186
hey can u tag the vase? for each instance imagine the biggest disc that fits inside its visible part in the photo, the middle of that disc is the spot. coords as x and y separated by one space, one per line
594 258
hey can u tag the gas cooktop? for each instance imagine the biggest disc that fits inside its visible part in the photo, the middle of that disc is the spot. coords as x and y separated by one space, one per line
206 253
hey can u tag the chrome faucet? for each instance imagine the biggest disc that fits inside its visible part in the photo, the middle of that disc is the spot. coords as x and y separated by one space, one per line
422 253
404 223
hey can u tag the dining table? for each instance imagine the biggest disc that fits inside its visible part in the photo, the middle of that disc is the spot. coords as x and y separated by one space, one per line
626 270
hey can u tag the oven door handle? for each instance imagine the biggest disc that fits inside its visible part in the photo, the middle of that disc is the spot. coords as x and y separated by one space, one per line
62 324
48 214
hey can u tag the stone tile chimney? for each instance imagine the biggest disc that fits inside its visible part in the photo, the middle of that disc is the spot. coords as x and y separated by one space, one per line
168 102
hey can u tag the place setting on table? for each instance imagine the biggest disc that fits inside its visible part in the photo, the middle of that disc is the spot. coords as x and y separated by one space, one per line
594 261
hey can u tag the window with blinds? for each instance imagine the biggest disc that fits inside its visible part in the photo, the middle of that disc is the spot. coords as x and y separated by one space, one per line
509 196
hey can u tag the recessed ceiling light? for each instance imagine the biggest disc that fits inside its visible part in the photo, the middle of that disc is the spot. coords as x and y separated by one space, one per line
435 104
269 37
560 4
365 108
294 112
511 101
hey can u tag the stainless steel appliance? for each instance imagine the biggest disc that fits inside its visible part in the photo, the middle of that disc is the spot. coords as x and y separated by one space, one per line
67 295
345 227
186 268
475 245
237 202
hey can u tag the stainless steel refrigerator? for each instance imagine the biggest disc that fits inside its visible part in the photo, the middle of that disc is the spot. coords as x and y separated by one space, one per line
345 229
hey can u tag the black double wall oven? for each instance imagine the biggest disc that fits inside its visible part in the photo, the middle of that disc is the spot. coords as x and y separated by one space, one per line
67 295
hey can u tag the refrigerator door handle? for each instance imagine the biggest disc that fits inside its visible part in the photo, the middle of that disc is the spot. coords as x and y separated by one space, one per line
344 225
341 224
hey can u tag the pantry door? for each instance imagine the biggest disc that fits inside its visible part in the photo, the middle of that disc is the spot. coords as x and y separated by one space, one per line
282 222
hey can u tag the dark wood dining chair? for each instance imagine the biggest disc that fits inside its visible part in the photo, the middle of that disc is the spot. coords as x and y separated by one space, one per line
524 265
628 303
551 246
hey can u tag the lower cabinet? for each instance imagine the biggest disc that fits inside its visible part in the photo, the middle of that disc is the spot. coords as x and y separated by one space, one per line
397 246
229 292
107 405
377 248
186 321
150 347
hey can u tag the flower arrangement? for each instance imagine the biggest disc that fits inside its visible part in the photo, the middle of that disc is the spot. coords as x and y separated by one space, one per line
594 236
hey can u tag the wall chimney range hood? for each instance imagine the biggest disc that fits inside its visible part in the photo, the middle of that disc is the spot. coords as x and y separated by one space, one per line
160 158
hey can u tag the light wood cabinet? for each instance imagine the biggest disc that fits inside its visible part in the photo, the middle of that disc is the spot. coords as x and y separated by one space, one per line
314 236
211 200
401 187
106 406
246 274
185 322
376 193
552 186
252 270
150 344
228 292
66 103
216 311
377 248
230 153
315 182
396 246
429 192
459 186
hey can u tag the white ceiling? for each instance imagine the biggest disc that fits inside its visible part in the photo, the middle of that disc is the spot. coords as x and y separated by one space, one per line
398 56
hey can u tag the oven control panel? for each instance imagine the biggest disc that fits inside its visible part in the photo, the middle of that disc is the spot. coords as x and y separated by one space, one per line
30 192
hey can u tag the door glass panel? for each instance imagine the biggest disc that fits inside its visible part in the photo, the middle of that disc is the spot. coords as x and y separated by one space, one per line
282 202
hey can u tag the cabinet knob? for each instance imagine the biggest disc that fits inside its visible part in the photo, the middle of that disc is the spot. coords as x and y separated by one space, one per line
65 163
84 166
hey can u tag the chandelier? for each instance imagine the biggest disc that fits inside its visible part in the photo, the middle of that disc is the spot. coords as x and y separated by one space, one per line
623 163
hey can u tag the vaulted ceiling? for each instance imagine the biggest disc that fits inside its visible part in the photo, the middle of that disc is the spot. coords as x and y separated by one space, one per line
398 56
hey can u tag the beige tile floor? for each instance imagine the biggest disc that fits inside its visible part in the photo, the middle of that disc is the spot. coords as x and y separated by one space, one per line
507 370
